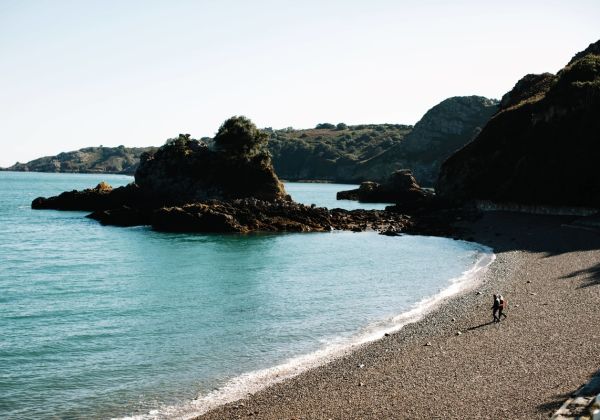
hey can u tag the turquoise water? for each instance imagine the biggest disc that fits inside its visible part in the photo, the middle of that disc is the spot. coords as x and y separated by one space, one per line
101 322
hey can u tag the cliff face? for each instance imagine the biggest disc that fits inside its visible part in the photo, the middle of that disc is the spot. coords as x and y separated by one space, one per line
118 160
443 129
542 147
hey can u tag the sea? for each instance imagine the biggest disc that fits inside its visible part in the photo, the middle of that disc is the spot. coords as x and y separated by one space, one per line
109 322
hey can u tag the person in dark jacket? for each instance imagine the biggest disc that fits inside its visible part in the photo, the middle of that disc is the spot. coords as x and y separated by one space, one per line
496 308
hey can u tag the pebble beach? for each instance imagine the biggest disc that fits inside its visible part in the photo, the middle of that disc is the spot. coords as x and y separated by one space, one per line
455 362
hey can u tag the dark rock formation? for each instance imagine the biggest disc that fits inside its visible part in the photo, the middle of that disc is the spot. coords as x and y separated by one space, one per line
400 187
102 197
188 171
445 128
542 147
250 215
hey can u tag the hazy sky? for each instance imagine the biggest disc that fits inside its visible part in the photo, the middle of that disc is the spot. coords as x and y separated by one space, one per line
84 73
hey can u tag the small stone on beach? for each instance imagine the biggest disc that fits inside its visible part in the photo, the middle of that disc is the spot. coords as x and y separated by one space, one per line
458 333
428 344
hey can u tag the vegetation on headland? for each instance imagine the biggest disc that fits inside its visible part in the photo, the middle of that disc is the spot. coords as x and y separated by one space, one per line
330 152
101 159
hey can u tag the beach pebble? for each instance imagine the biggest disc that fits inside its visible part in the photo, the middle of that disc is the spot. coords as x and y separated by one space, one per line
361 384
532 294
479 293
458 333
428 344
528 281
453 319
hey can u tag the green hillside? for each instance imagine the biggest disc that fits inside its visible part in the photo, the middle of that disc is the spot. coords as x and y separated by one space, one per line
120 160
329 152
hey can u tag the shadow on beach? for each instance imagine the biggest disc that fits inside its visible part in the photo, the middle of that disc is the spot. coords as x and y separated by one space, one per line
591 275
485 324
551 235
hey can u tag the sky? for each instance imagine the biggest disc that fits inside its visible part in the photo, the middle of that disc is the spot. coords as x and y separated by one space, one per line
86 73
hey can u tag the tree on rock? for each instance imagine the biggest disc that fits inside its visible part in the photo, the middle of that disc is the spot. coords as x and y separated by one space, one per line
239 137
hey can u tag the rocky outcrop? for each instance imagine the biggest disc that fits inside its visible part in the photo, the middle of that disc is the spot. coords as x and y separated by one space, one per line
445 128
250 215
188 171
400 188
541 148
102 197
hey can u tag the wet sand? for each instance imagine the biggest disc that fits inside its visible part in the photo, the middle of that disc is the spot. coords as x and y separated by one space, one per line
456 363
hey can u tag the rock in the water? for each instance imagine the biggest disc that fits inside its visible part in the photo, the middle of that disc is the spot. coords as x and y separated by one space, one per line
102 197
400 188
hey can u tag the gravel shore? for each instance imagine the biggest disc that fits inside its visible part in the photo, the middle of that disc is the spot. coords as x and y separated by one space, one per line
456 363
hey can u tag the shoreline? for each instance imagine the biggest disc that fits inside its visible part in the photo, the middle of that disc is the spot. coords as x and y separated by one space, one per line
523 367
255 381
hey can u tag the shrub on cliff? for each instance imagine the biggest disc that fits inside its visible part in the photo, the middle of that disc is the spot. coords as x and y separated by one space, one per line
239 137
325 126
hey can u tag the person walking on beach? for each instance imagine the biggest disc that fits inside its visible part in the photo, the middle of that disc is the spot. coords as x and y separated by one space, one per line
503 305
496 308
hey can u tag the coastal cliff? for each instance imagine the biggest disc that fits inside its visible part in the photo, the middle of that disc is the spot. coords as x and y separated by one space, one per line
443 129
541 147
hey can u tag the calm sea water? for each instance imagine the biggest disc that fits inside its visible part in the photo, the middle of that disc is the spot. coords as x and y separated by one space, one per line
101 322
